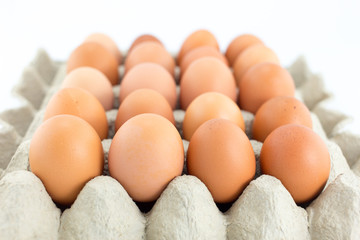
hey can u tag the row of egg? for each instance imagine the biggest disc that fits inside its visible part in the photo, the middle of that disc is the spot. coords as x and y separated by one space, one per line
147 152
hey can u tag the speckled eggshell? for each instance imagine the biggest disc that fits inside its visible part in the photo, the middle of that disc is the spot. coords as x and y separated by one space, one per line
279 111
299 158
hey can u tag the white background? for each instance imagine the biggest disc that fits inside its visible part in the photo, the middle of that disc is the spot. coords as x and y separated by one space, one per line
327 33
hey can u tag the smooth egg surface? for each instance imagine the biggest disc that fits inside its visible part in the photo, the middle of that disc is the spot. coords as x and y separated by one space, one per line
208 106
207 74
65 153
146 153
221 156
93 54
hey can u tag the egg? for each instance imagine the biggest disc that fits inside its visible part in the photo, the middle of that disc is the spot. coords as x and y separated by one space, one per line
65 153
196 39
279 111
107 42
150 51
94 81
221 156
152 76
262 82
239 44
208 106
144 38
80 103
145 155
93 54
205 51
143 101
207 74
257 53
299 158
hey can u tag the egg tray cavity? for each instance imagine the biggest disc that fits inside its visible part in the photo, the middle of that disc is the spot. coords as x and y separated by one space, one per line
185 210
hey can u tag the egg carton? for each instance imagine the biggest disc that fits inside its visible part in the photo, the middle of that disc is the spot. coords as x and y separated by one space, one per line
185 209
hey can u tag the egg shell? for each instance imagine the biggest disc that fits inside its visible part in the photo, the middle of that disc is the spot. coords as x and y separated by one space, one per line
220 148
204 51
263 82
239 44
257 53
208 106
299 158
45 69
150 51
94 81
92 54
80 103
207 74
279 111
145 155
152 76
107 42
144 38
65 153
196 39
143 101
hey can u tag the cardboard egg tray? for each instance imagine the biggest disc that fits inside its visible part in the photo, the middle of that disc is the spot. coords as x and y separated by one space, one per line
185 210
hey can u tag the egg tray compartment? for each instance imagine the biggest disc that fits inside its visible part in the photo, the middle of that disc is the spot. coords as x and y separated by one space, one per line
185 210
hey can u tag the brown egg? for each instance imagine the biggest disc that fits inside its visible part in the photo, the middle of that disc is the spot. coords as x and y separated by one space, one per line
144 38
197 39
207 74
204 51
92 54
262 82
65 153
107 42
299 158
150 52
239 44
257 53
279 111
94 81
80 103
149 75
143 101
208 106
221 156
145 155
